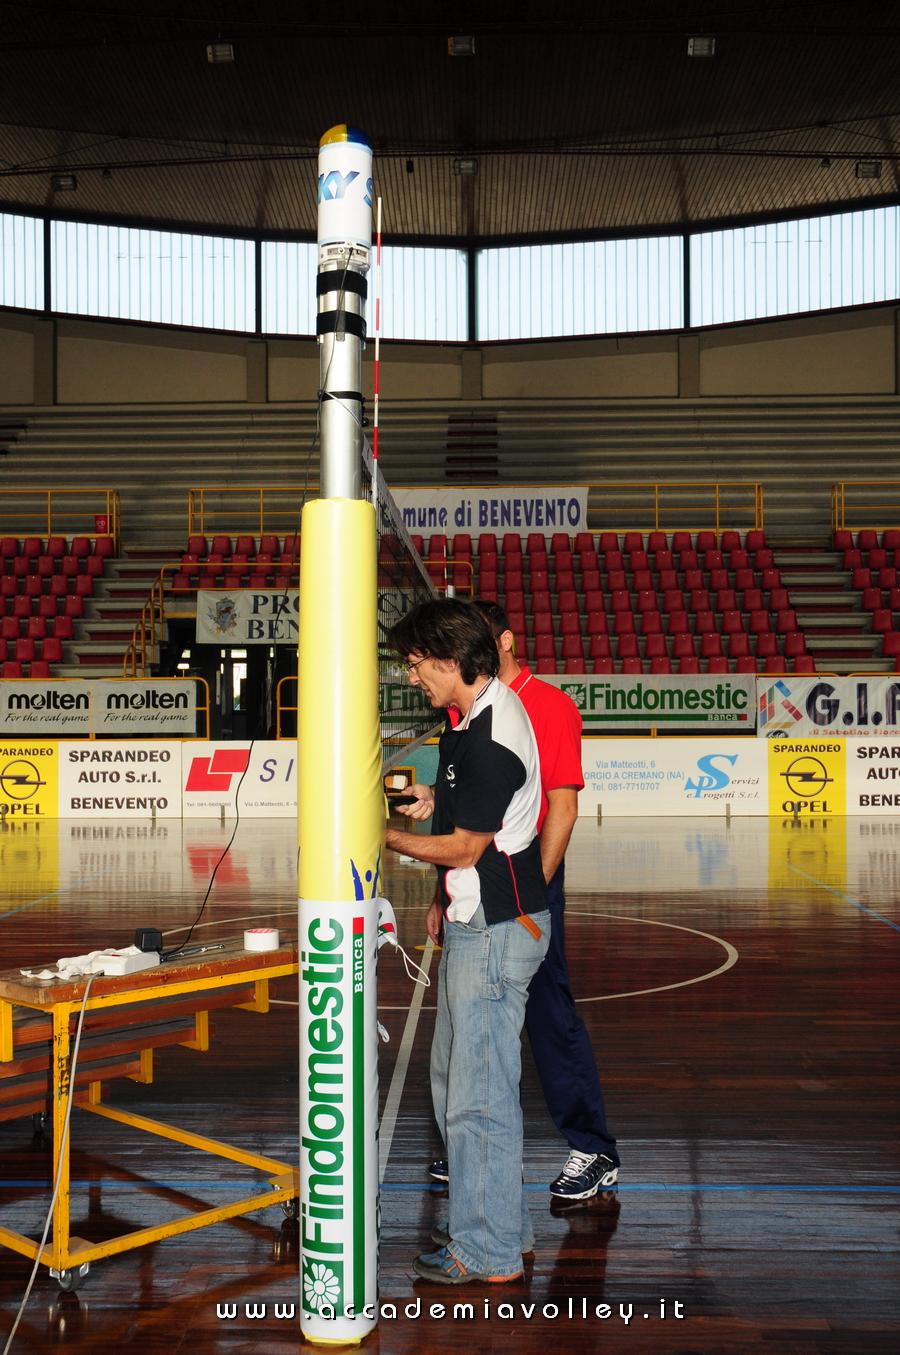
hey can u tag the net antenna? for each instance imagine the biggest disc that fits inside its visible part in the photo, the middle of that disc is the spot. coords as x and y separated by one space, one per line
376 374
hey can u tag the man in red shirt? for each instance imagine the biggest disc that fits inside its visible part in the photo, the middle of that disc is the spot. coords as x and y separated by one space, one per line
560 1043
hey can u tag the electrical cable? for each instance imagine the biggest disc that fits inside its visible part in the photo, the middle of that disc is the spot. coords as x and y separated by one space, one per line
61 1151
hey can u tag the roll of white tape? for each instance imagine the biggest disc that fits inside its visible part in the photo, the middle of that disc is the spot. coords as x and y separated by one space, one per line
261 938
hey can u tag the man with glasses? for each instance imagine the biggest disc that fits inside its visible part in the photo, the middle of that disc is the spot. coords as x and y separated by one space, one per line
496 932
559 1039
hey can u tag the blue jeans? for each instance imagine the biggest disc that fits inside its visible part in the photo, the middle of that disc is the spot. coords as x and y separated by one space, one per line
476 1066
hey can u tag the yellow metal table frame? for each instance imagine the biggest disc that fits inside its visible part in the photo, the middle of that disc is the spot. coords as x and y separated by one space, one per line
64 1254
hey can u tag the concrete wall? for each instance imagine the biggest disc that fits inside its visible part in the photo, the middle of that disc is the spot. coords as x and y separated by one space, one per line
95 362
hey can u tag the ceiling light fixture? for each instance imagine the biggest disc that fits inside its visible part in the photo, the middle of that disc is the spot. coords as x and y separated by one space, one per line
63 183
465 166
219 53
701 46
868 169
461 46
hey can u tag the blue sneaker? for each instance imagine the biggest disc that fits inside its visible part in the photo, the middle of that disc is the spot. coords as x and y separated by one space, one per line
444 1268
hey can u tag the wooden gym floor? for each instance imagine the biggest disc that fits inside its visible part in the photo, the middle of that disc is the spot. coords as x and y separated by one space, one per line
741 986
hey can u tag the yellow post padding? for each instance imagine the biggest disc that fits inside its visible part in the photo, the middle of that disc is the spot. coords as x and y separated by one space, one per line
340 795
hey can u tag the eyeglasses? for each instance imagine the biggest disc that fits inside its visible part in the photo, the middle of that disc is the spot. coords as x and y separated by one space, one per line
411 667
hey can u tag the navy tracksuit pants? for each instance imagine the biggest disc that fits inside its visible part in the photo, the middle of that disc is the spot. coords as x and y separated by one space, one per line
561 1046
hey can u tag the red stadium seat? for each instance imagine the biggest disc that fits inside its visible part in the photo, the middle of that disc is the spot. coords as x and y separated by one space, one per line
655 647
677 623
682 647
663 559
681 541
770 578
698 601
632 665
574 665
38 668
567 600
763 559
661 665
890 538
752 600
51 649
84 586
36 627
74 606
602 665
613 559
867 538
620 600
667 580
759 621
221 547
688 559
32 547
705 541
689 665
779 600
718 579
11 669
745 664
627 647
882 620
794 644
104 547
785 621
64 627
622 623
656 541
871 598
890 644
633 541
673 600
572 647
9 628
726 600
590 578
804 663
755 540
766 645
615 579
21 606
717 664
565 577
47 606
25 649
730 541
9 547
710 646
584 541
569 623
713 559
638 559
692 579
536 544
599 647
596 623
774 664
642 581
843 539
34 585
512 544
540 600
705 623
647 601
607 541
487 544
651 623
731 623
542 623
737 559
738 646
545 665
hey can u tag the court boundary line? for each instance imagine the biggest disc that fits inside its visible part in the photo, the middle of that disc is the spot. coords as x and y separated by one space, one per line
842 894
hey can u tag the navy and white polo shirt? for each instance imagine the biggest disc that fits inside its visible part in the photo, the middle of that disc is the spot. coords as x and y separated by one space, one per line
489 782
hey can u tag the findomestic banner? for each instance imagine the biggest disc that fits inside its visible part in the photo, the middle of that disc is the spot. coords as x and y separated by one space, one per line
247 616
56 707
826 707
99 780
530 508
650 778
610 703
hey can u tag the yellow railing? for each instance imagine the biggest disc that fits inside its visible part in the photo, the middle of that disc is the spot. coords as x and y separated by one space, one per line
60 512
230 510
865 503
693 505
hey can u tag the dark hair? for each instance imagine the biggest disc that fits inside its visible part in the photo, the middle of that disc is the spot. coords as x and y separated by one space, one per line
447 629
494 615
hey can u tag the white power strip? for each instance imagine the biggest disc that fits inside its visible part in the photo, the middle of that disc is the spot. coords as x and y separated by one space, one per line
130 962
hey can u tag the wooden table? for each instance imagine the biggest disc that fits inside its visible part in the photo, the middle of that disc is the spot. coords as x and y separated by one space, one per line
125 1020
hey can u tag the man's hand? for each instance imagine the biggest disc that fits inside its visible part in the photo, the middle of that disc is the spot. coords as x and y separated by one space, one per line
434 922
423 809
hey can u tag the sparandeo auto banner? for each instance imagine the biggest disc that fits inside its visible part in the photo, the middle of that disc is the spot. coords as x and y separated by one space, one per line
100 780
827 707
807 777
528 508
651 778
259 778
712 702
60 707
873 777
247 616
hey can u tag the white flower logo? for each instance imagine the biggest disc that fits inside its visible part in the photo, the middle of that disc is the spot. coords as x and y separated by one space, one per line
321 1286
